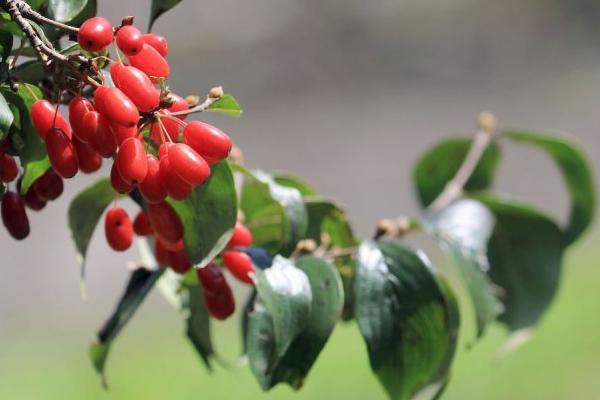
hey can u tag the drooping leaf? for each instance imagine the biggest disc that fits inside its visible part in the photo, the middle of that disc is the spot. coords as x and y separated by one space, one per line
6 117
140 283
576 173
463 229
209 215
198 325
158 8
281 312
408 319
439 165
227 105
525 254
6 42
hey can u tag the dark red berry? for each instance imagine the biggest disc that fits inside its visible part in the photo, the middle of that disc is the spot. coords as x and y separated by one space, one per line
99 133
95 34
141 225
89 160
131 161
211 278
32 201
161 253
78 107
118 229
151 63
179 262
210 142
176 187
177 246
220 305
166 222
139 88
118 108
49 186
151 187
8 168
117 181
239 264
62 153
242 237
45 116
159 43
188 164
129 40
14 215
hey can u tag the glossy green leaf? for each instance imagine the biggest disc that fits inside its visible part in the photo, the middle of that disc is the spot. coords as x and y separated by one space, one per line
576 173
158 8
32 171
228 105
6 117
525 254
6 42
140 283
463 229
209 215
198 325
65 10
408 319
439 164
291 181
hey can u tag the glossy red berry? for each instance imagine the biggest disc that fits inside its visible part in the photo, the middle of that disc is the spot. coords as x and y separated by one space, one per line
129 40
100 96
179 104
161 253
115 71
176 187
32 201
45 116
49 186
141 225
118 229
171 128
239 264
122 132
117 181
177 246
78 107
8 168
99 133
208 141
179 262
151 187
211 278
131 161
95 34
187 164
14 216
62 153
218 296
166 222
159 43
242 237
151 63
139 88
118 108
89 160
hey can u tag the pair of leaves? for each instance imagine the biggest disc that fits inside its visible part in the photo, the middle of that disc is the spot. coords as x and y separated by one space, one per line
409 319
292 317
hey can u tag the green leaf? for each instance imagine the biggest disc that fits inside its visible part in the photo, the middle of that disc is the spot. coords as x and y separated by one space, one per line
30 71
227 105
408 319
281 313
198 325
140 283
525 254
463 229
85 212
7 25
438 166
158 8
209 215
33 170
291 181
6 42
6 117
65 10
576 173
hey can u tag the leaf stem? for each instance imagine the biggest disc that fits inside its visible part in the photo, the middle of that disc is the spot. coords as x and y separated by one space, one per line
213 95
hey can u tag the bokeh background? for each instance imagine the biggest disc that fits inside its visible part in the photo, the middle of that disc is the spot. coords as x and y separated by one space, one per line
347 94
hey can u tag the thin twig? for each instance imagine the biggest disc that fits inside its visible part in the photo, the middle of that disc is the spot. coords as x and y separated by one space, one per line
210 99
27 11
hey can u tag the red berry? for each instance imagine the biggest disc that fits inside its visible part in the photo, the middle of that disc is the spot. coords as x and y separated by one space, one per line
188 164
117 181
210 142
239 264
49 186
159 43
171 128
78 107
8 168
166 222
151 187
115 71
218 297
180 104
118 229
179 262
151 63
211 278
62 153
177 246
122 132
32 200
99 133
118 108
161 253
141 225
95 34
139 88
242 237
89 160
131 161
176 187
129 40
100 96
14 215
45 116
